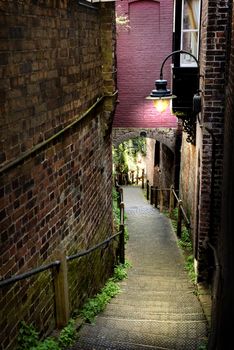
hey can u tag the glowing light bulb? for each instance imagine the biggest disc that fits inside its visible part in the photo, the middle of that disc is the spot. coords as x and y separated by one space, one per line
161 104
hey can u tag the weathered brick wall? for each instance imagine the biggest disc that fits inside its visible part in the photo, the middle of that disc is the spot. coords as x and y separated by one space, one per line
59 196
167 136
209 141
188 177
223 300
214 31
167 168
47 52
142 46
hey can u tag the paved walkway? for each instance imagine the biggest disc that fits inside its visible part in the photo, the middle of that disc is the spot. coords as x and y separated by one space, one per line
157 308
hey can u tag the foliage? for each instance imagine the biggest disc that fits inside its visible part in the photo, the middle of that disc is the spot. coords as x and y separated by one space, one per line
125 155
47 344
203 346
67 335
120 272
97 304
126 234
189 266
116 214
28 338
185 243
120 158
115 208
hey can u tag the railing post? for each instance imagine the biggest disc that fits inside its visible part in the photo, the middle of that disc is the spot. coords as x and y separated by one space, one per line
120 196
61 291
132 174
161 201
151 195
171 201
179 219
156 197
121 236
147 190
143 179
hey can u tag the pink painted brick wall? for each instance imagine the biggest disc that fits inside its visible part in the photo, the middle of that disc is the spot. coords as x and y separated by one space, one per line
141 48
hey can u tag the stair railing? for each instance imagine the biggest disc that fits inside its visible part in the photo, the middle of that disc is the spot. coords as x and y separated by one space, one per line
156 196
59 270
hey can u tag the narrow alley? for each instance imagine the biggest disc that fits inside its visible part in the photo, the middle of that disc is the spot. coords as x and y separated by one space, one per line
157 307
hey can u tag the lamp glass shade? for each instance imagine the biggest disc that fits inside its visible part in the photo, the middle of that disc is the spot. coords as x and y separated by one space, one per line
161 104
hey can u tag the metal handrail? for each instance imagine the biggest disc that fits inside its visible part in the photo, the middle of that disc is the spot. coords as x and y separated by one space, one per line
185 216
44 143
29 273
175 195
59 273
40 269
90 250
179 201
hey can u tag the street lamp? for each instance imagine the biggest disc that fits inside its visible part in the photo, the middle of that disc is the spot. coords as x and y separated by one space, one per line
185 99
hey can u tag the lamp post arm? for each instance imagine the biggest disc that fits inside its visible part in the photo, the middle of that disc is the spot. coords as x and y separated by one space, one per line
174 53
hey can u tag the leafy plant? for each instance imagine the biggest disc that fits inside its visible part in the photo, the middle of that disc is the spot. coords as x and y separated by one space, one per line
185 243
116 209
97 304
203 346
120 272
189 265
126 154
67 335
47 344
28 337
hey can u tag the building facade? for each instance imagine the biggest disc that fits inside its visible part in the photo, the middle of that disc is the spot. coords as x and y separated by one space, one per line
57 100
206 165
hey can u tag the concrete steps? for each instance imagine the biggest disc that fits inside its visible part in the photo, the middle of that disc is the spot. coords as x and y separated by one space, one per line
164 334
157 308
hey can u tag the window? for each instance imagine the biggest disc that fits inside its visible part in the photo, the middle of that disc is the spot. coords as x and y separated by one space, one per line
190 31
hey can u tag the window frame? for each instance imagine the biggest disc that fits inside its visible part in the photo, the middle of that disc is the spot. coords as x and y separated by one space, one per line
182 31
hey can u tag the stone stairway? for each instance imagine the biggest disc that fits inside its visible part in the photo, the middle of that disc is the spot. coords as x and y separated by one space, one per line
157 307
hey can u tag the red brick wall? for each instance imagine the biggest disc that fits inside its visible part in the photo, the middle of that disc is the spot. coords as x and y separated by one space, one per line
141 48
209 141
58 197
223 300
214 33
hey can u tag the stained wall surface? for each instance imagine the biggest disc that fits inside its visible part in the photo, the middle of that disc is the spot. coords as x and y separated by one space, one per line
143 41
56 170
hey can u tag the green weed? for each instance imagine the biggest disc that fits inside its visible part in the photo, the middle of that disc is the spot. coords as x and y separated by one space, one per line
185 243
97 304
120 272
67 335
28 338
47 344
